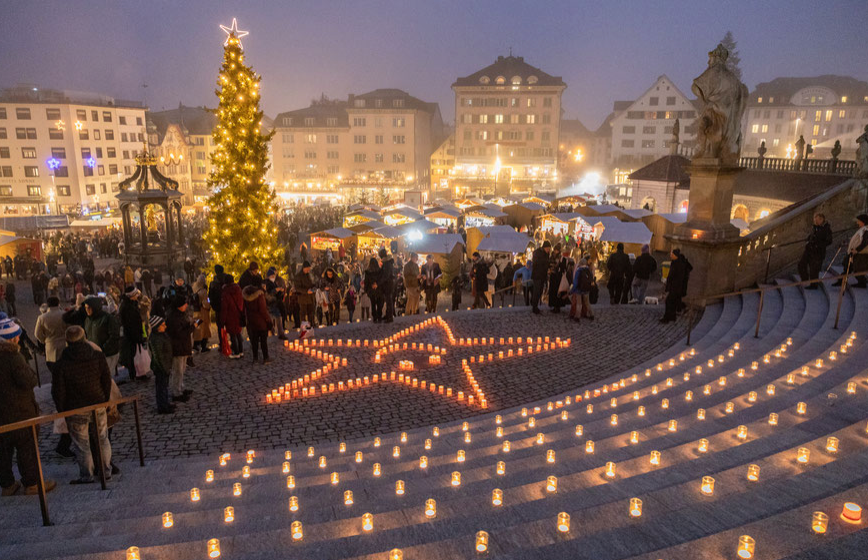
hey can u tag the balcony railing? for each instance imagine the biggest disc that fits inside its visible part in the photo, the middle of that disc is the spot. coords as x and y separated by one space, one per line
824 166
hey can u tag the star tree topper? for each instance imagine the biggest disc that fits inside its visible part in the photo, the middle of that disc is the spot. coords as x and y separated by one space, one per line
233 31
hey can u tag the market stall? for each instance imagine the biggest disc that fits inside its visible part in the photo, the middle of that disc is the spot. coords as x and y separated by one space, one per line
333 239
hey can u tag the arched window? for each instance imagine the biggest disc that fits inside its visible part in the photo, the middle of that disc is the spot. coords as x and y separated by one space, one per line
516 80
484 80
532 80
740 212
500 80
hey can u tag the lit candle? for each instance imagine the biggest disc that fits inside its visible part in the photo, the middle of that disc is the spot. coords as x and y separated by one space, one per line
819 522
501 467
310 452
209 476
399 487
852 513
436 431
614 420
377 470
589 446
801 408
641 411
753 472
803 455
746 547
703 445
531 422
564 522
427 444
673 425
655 458
773 419
851 388
634 437
335 478
168 521
245 471
730 407
293 503
497 497
610 470
133 553
396 451
742 432
348 497
296 530
540 439
430 508
700 414
832 444
635 507
290 482
466 437
481 541
550 456
552 484
214 548
228 514
456 478
664 403
506 446
579 429
460 456
707 487
770 389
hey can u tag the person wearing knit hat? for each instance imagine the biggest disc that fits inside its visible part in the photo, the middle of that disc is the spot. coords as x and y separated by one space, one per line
161 362
17 403
82 378
856 260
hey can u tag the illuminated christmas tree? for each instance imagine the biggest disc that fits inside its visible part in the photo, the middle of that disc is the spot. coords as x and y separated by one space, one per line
241 224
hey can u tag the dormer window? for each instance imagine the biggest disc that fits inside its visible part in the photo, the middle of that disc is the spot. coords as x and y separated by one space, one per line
360 103
500 80
516 80
397 103
484 80
532 80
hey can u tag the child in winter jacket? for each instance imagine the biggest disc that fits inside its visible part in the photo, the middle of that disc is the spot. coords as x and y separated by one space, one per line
365 304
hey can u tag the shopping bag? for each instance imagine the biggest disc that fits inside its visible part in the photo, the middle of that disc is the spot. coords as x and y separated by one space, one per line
564 286
142 361
225 347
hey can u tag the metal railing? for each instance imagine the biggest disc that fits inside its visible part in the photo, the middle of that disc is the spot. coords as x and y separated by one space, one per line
701 301
768 250
32 423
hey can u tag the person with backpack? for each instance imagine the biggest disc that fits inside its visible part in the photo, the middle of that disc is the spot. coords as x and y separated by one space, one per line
583 283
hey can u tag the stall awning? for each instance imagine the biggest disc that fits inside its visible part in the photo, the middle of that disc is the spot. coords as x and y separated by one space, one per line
626 232
438 243
503 242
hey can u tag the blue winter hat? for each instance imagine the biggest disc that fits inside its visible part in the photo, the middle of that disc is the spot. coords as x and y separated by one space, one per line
9 329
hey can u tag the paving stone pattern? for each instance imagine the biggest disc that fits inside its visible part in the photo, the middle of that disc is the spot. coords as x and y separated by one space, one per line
228 410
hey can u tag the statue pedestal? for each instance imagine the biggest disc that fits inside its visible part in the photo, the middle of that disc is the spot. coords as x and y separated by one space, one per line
708 239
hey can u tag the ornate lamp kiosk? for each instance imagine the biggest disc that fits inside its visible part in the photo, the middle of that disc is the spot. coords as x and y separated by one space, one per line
150 204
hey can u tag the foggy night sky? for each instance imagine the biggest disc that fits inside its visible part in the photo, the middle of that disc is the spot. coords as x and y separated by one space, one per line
605 50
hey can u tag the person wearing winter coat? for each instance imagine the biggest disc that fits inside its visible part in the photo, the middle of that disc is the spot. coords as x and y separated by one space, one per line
250 275
387 284
202 311
583 280
232 314
643 268
180 330
82 378
676 284
412 285
304 287
215 295
275 294
134 331
523 275
480 282
430 275
161 363
350 301
103 329
619 268
815 250
17 403
373 290
258 320
332 285
538 274
50 330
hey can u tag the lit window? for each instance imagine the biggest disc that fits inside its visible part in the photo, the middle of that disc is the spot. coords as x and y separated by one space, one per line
754 128
759 99
843 99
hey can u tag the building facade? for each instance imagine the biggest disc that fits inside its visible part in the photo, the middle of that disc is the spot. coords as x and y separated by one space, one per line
442 165
507 127
642 129
822 109
181 140
63 151
383 138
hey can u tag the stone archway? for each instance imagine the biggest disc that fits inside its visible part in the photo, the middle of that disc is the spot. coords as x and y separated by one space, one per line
740 212
649 203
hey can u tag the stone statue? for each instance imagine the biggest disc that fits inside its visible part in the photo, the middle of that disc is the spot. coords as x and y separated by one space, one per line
676 137
862 154
725 99
800 148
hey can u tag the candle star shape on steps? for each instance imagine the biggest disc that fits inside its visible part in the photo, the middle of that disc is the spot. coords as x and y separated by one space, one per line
406 371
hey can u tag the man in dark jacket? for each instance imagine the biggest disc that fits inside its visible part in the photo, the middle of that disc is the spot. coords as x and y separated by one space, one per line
539 273
180 330
815 251
619 268
479 275
304 287
134 332
430 276
643 268
387 283
215 293
250 275
676 284
17 403
103 329
82 378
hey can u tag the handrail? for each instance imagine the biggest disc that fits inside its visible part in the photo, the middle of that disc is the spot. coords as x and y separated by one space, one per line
44 419
779 245
702 300
32 423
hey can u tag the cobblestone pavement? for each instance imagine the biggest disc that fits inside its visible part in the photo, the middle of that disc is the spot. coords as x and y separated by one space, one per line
228 411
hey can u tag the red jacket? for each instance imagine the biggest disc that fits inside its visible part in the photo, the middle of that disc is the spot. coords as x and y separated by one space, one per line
231 308
258 319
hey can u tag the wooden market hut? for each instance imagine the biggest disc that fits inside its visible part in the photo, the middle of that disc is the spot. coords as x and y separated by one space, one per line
371 241
477 234
361 216
447 249
444 215
334 239
523 214
632 234
662 225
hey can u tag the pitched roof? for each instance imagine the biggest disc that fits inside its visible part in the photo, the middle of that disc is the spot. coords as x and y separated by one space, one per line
509 67
319 111
438 243
388 95
573 127
783 89
196 120
626 232
668 169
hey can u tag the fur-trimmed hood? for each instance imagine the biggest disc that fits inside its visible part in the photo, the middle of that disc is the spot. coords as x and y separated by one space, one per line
250 293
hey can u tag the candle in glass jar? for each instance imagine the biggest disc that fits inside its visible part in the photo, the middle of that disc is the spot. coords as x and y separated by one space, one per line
497 497
564 522
753 472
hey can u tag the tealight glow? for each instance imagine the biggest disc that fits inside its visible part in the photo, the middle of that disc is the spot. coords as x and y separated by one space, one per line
497 497
753 473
